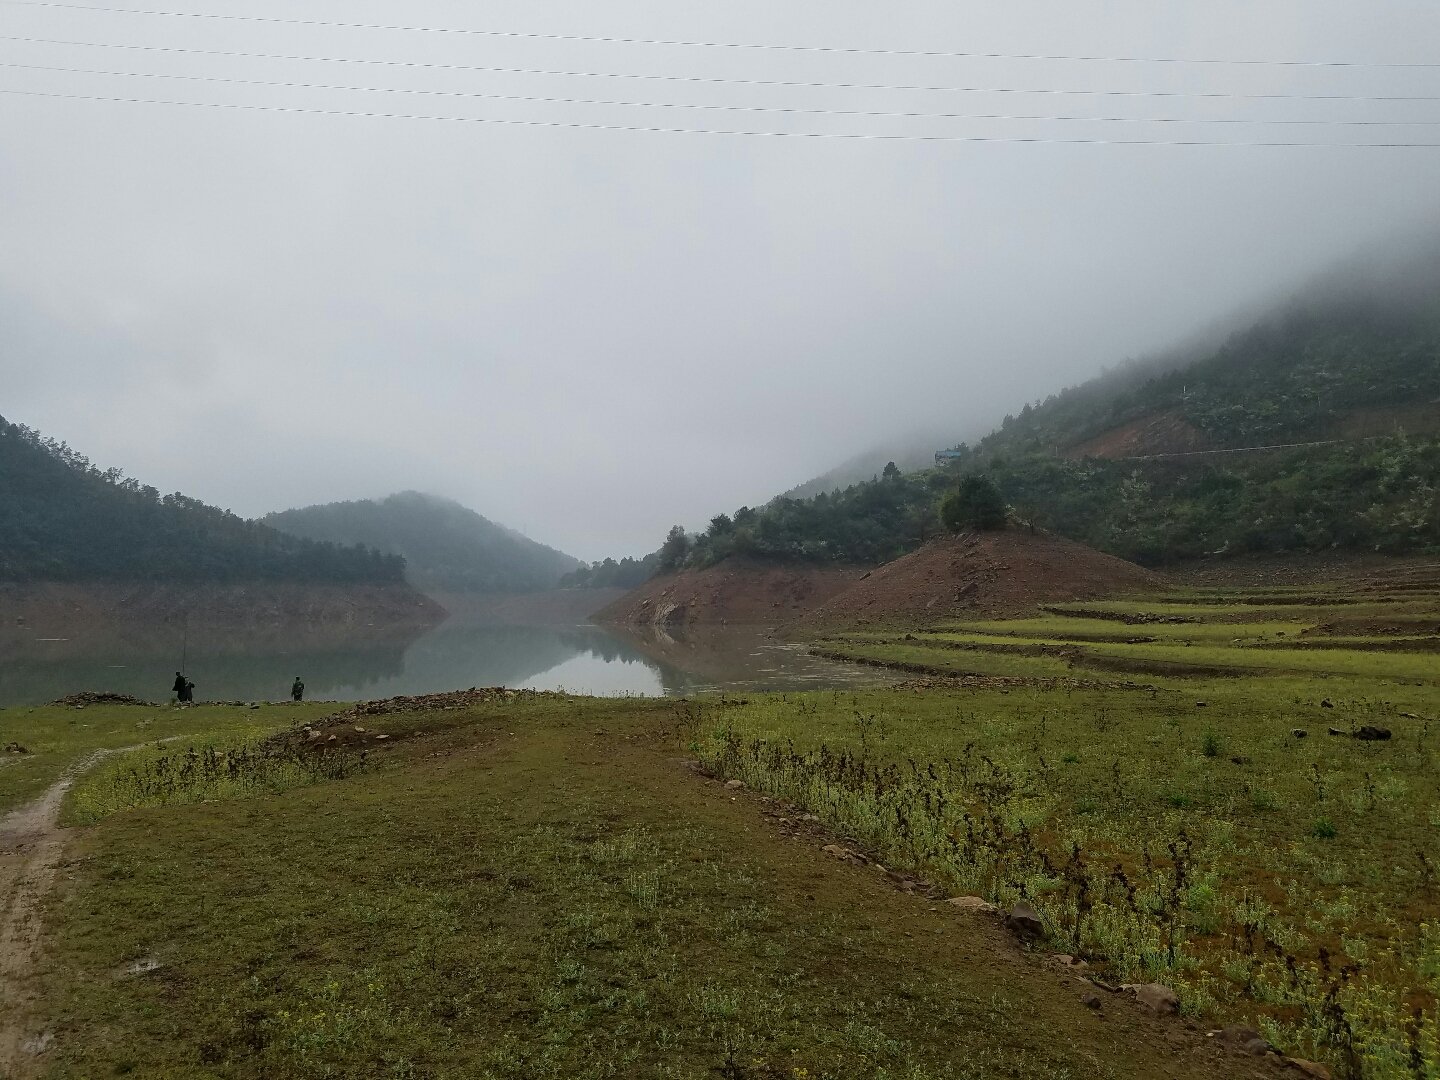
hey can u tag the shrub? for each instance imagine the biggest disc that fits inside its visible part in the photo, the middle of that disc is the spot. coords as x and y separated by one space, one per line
975 504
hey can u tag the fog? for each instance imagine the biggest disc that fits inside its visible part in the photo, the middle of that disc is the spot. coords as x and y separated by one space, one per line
591 334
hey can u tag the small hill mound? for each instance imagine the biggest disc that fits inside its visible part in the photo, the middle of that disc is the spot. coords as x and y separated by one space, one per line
982 574
448 548
740 592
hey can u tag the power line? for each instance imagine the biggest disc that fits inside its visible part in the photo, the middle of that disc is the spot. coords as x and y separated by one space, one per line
613 40
867 113
718 81
852 136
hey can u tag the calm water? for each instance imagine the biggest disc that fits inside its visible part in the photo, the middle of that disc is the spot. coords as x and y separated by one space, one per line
582 659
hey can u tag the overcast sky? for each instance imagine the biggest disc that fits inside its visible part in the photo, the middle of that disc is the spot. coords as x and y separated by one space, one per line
592 334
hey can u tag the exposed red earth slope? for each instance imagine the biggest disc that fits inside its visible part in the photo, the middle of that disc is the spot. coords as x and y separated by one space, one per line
736 591
982 574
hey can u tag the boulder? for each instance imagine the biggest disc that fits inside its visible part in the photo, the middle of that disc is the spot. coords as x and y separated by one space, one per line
1156 997
1246 1039
734 785
1299 732
15 748
1025 923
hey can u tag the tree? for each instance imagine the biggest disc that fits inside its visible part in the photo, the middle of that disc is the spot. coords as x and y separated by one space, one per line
891 471
675 549
975 504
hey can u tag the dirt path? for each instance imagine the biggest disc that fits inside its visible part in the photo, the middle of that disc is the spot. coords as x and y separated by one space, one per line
31 843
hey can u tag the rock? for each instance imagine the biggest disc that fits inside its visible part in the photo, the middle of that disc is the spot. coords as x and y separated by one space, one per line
1024 923
359 730
1325 703
1068 962
1372 734
972 903
1240 759
35 1045
1091 1000
1337 731
1244 1038
1201 704
144 966
1299 732
846 854
809 817
311 734
1309 1068
1156 997
15 748
377 736
734 785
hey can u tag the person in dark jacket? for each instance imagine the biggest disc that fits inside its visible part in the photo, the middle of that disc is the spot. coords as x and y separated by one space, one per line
179 688
297 689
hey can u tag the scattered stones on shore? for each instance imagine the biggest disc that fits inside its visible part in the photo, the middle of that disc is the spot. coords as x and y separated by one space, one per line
844 854
90 697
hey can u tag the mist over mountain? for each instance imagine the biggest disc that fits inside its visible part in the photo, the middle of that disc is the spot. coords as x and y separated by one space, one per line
64 519
447 547
909 454
1219 445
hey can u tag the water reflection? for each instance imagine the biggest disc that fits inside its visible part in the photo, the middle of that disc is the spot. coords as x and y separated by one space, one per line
376 662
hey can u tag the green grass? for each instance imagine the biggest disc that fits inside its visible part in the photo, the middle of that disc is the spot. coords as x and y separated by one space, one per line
1286 844
536 890
58 737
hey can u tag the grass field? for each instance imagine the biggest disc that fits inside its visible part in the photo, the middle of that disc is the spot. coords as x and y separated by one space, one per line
1209 820
546 886
536 887
57 737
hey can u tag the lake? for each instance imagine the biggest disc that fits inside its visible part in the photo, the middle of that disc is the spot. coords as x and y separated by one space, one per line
581 658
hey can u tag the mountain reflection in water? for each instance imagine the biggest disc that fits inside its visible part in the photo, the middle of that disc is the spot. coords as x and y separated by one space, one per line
379 662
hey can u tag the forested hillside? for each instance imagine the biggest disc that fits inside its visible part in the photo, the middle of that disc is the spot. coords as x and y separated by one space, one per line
63 519
1156 461
447 547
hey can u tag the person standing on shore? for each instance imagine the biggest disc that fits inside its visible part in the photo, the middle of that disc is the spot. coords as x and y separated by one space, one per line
297 689
179 688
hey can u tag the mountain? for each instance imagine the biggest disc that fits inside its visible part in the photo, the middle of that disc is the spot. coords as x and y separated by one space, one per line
910 454
1313 426
447 547
64 520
